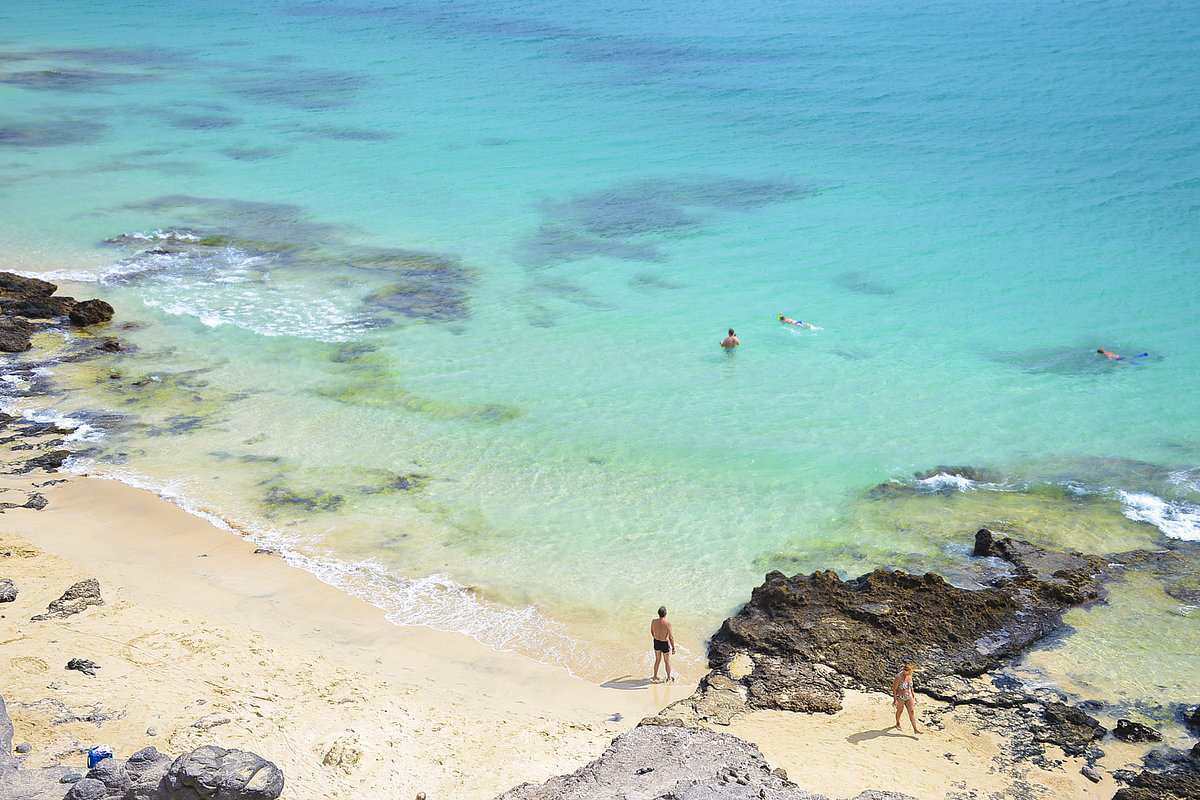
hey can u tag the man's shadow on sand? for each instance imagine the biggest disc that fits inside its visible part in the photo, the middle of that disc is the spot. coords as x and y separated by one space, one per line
627 683
891 732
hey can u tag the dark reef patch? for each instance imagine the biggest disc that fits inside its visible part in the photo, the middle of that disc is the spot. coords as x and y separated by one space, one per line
1078 359
279 227
58 133
70 80
629 221
268 237
333 134
425 285
252 153
203 122
858 283
282 497
305 90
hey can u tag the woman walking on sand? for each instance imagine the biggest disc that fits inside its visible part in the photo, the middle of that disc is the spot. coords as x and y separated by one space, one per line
903 696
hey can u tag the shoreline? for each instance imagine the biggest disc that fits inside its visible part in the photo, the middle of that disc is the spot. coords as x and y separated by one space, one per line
204 641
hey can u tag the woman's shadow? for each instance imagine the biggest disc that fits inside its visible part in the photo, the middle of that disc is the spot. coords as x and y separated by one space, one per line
891 732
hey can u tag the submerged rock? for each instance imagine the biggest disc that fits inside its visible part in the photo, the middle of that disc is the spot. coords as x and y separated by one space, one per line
1129 731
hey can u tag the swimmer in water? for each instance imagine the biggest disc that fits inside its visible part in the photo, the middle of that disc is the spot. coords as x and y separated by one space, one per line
1108 354
731 341
790 321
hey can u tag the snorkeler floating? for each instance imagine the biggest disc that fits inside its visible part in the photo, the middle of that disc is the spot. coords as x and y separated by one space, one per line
1115 357
790 321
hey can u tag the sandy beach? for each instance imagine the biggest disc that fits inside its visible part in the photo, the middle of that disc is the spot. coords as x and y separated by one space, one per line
201 640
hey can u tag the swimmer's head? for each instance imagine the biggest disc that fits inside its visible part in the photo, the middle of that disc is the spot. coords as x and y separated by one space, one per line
731 332
1100 351
781 316
662 611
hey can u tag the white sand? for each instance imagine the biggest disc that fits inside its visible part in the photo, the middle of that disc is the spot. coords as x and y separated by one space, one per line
208 643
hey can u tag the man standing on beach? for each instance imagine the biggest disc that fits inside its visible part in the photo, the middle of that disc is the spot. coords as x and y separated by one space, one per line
731 341
664 640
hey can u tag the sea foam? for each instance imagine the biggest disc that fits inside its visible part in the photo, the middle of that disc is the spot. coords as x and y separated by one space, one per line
434 601
1177 520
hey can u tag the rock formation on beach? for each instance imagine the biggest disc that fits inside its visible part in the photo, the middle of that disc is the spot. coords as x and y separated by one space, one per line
29 304
801 641
674 761
204 773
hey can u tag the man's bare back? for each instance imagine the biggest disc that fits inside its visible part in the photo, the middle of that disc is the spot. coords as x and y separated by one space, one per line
664 642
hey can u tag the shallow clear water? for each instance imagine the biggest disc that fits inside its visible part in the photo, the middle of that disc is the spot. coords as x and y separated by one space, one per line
430 294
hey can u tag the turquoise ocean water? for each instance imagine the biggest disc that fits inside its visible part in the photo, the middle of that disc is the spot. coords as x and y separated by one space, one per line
429 295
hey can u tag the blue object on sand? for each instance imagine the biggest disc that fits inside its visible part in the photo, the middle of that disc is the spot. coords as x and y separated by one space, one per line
98 754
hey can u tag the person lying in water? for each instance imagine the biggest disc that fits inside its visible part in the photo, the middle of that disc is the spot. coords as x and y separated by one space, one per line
1117 357
790 321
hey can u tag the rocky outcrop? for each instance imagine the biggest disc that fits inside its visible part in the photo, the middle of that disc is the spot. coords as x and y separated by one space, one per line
206 773
74 600
1129 731
658 761
8 590
801 641
214 771
26 304
1069 728
1169 775
90 312
7 762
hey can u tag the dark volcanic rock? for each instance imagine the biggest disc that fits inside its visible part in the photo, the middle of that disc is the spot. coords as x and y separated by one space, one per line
91 312
660 761
7 762
38 307
1192 719
864 628
15 335
8 590
111 345
49 461
86 666
12 285
1058 578
146 770
83 594
1159 786
214 771
801 641
1069 728
976 474
211 773
1128 731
